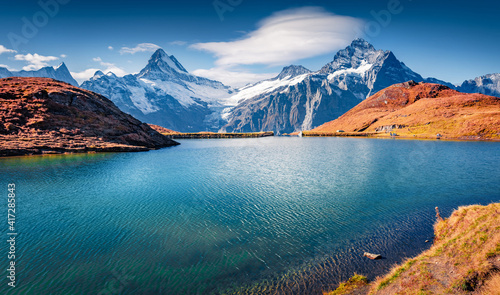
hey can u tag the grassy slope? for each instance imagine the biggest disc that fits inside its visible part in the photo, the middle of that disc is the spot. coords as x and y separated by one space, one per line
464 259
422 110
163 130
357 284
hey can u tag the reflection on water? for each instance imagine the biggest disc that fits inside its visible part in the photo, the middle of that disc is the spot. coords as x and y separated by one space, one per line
236 215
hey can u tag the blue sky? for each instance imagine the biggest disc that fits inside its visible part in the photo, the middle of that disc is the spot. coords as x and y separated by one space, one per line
241 41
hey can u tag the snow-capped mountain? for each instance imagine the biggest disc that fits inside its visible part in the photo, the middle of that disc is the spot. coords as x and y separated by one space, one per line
289 76
60 73
360 65
487 84
164 93
289 104
298 99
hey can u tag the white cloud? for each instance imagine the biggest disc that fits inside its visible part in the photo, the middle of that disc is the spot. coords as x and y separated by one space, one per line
63 56
106 68
84 75
35 61
110 67
285 37
143 47
235 79
178 43
7 67
6 50
110 47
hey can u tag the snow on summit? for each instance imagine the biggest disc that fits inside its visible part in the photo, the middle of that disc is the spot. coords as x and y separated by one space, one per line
166 94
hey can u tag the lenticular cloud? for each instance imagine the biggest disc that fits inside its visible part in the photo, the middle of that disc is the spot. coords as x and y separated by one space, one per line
286 36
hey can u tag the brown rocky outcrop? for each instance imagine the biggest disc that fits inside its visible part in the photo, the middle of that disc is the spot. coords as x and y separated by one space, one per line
41 115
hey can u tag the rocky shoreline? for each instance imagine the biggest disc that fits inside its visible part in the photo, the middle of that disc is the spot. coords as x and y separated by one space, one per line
397 136
464 259
40 145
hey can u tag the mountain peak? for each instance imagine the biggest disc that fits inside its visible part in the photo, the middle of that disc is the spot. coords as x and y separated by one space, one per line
159 53
98 73
160 61
62 72
353 56
62 66
361 44
292 71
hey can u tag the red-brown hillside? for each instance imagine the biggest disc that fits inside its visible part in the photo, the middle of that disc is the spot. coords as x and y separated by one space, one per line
163 130
421 110
41 115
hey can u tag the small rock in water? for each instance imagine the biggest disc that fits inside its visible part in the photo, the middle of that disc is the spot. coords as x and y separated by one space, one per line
372 256
427 241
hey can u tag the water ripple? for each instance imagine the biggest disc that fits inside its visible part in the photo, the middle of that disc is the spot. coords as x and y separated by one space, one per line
251 216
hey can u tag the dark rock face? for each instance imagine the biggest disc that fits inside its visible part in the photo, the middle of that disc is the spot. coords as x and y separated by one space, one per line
308 103
391 71
44 115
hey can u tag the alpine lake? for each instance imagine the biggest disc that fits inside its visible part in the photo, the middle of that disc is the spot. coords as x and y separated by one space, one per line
281 215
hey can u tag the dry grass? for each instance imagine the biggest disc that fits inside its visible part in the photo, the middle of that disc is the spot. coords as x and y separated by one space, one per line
492 287
464 258
163 130
356 284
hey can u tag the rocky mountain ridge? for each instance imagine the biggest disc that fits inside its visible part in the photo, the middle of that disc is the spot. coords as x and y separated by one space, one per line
311 99
60 73
305 101
165 93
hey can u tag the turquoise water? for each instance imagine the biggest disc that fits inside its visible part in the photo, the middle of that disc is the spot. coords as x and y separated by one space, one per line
234 215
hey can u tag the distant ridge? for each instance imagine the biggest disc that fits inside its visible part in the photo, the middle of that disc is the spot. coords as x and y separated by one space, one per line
487 84
60 73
